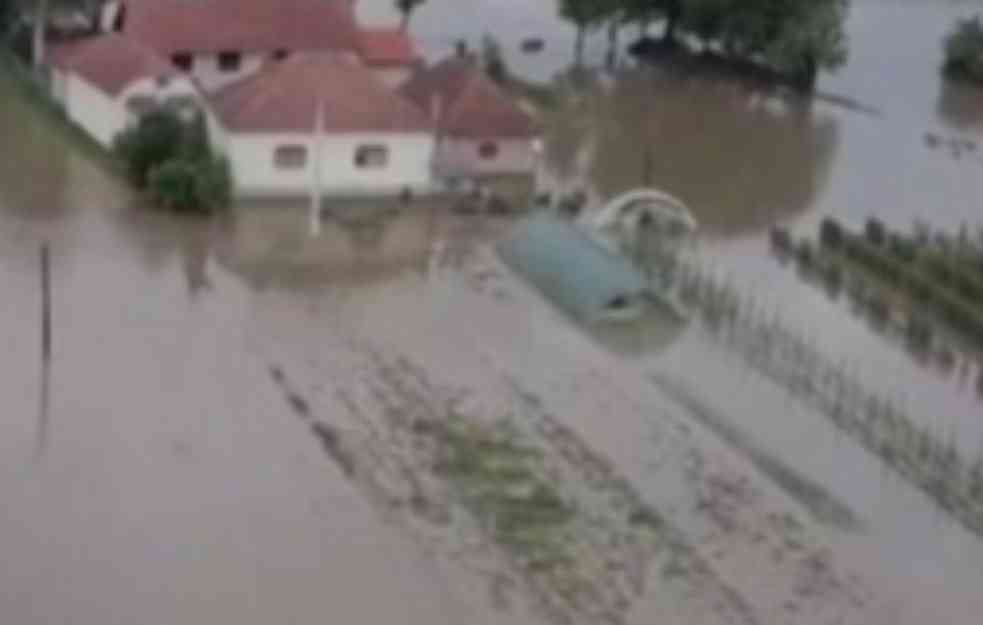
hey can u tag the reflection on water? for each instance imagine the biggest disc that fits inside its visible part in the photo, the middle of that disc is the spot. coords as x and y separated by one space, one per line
740 159
361 242
656 330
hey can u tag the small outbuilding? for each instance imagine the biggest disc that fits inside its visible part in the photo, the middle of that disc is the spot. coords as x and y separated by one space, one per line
482 131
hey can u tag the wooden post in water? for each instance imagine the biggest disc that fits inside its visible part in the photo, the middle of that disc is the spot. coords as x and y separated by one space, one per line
45 303
45 386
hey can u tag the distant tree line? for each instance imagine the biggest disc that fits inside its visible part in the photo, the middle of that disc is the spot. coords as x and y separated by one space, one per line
797 38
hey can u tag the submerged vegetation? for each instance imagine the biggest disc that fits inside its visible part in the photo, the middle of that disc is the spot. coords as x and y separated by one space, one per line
916 453
889 307
497 480
940 272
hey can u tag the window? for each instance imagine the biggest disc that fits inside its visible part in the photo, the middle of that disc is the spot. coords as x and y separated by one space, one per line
183 61
229 61
371 156
281 54
290 157
140 104
488 150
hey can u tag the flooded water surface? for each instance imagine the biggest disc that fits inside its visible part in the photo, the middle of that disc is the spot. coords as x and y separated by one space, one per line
246 424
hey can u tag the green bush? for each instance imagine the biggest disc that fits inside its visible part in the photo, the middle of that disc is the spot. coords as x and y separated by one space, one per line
172 184
213 184
185 185
155 139
902 248
831 233
875 231
173 160
964 48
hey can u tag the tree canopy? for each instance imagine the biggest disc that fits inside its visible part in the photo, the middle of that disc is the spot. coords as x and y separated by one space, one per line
964 49
406 8
796 37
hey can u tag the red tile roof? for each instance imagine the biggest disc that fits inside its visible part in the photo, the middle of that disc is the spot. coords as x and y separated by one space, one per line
386 47
471 104
171 26
284 96
111 61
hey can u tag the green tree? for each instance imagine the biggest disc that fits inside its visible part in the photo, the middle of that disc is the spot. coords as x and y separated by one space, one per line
406 9
809 39
156 138
707 19
493 61
585 15
8 13
964 48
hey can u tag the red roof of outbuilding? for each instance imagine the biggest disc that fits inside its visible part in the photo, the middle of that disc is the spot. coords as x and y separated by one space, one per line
387 47
471 105
284 97
171 26
111 61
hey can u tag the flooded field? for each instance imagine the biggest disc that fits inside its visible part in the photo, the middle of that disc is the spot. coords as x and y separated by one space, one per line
247 424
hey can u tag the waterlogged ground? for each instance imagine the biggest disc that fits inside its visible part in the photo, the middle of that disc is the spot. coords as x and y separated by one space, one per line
382 424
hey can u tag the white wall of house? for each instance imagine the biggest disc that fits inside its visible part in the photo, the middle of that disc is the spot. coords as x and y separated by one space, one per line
177 86
255 173
101 115
218 138
206 69
462 157
392 77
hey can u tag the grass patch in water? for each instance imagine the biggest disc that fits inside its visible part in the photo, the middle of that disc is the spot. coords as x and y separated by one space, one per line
499 481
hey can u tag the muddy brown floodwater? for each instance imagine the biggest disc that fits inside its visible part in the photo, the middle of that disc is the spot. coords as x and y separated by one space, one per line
250 425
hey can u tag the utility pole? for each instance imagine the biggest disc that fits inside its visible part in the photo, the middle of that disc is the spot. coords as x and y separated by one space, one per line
45 386
314 216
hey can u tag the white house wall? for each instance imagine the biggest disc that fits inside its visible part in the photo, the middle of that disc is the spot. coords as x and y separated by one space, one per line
206 70
254 172
98 113
461 158
179 86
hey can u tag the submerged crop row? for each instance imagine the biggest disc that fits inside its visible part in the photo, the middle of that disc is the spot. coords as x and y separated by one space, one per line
916 453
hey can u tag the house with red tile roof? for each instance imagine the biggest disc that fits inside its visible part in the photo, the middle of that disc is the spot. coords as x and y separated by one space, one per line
105 83
482 132
219 42
320 122
390 54
297 95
